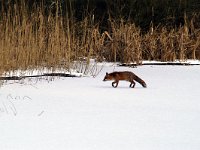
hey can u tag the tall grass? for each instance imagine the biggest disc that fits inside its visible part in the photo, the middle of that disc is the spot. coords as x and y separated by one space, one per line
35 40
129 44
32 40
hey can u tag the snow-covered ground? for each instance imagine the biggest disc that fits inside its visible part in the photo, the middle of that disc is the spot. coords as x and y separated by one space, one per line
86 113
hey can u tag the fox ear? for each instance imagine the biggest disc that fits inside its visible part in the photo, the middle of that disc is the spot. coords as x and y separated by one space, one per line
106 73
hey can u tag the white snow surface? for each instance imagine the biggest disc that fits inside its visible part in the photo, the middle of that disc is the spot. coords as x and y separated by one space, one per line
86 113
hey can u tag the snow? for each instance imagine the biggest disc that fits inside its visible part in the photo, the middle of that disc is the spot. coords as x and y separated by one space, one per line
188 61
86 113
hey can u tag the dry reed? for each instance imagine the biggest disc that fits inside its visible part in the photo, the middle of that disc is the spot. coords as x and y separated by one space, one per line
35 40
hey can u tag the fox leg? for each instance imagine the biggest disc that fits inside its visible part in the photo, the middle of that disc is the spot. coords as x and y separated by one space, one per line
132 85
114 83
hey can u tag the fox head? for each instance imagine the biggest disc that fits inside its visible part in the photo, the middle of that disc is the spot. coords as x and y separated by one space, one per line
108 77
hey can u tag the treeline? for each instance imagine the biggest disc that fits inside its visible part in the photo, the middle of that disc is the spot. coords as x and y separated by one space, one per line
143 13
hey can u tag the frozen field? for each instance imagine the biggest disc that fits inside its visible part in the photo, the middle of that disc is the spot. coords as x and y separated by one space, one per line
89 114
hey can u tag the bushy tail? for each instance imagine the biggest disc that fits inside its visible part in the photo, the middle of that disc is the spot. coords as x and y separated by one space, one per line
139 80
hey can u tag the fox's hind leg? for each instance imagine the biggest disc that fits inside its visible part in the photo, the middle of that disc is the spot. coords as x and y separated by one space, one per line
132 85
115 82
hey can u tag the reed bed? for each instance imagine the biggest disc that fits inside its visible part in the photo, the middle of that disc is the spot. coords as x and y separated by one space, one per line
36 40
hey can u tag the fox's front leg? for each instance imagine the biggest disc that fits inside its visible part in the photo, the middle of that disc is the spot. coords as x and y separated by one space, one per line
114 83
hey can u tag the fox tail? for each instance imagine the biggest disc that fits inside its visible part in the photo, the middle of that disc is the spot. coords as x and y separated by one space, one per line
139 80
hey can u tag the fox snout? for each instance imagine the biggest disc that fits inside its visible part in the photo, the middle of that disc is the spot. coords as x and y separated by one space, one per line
106 77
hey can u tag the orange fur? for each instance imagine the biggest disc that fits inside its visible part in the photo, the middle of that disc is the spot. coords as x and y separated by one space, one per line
125 75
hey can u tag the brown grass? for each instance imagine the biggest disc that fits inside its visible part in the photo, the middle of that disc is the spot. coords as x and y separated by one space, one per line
31 41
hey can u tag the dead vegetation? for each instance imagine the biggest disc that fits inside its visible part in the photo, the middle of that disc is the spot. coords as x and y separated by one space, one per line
35 40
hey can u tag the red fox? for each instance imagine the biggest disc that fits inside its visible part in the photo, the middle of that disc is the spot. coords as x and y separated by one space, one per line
125 75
